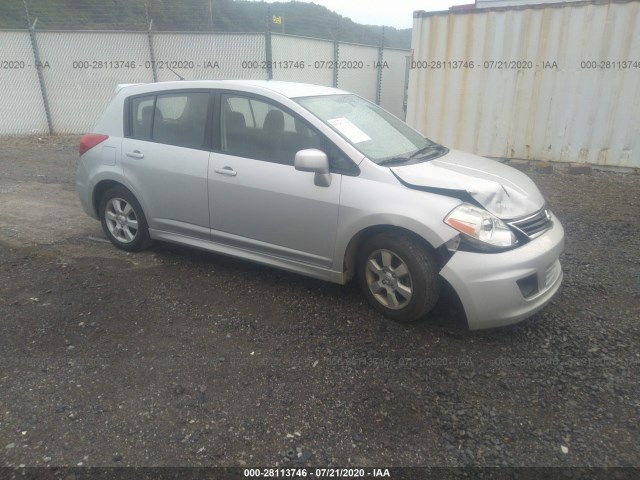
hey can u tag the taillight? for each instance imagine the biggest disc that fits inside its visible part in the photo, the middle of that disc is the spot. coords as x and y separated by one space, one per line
90 140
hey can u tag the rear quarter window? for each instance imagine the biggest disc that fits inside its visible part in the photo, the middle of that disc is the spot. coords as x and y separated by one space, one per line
141 117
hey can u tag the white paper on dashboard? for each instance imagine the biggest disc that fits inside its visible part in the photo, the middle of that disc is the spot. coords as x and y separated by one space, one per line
349 130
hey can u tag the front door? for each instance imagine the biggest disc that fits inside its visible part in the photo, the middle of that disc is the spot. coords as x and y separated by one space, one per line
258 200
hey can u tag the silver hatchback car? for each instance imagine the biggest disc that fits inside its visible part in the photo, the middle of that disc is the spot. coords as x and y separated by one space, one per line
320 182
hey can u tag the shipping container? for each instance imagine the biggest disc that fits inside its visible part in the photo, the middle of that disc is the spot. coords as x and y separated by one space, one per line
555 82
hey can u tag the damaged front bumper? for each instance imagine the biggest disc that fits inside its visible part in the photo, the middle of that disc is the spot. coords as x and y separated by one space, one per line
499 289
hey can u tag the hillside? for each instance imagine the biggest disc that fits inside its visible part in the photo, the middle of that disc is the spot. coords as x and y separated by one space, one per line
304 19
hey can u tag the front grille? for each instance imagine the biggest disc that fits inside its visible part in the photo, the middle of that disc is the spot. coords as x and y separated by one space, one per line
534 225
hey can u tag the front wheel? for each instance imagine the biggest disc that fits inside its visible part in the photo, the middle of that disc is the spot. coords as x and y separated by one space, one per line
398 276
123 221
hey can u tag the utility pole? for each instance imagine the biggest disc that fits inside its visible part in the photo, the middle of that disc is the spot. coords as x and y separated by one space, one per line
211 15
268 51
38 63
152 56
380 65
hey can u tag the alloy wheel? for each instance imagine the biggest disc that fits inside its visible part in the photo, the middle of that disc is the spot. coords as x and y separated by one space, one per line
121 220
389 279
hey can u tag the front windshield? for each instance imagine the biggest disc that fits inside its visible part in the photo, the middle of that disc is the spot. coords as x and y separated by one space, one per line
377 134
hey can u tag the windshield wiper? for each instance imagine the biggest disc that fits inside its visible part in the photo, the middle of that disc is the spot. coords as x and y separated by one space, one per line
432 146
394 160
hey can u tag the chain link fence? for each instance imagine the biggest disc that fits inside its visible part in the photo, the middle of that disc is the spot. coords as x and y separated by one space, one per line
21 104
60 81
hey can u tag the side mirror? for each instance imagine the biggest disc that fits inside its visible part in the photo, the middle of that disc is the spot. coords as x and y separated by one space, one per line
315 161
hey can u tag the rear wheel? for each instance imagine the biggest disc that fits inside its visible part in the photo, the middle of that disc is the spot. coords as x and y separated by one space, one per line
398 276
123 221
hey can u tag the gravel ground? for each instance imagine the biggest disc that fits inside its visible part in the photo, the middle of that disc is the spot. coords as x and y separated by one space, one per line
178 357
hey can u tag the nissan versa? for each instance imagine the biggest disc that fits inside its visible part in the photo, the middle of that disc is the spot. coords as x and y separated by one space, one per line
320 182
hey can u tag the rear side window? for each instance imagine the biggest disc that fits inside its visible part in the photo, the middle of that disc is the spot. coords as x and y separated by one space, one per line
175 118
141 117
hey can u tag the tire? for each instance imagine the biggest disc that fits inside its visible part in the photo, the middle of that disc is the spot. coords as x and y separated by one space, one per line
398 276
123 220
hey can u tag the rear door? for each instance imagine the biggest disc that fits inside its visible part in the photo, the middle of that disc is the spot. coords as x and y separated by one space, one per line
165 157
258 200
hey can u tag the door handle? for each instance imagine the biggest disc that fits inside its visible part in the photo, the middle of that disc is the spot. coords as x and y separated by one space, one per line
135 154
226 171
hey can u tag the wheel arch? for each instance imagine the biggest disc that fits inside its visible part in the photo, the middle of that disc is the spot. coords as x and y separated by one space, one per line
103 194
101 188
351 253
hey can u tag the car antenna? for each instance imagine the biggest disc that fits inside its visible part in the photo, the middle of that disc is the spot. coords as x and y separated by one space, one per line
176 73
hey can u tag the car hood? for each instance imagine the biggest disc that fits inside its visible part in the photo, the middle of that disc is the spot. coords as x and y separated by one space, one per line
504 191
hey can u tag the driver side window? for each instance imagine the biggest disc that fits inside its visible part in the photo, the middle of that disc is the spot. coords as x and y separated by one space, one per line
258 129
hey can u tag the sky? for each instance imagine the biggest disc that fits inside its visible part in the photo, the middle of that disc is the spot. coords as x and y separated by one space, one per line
392 13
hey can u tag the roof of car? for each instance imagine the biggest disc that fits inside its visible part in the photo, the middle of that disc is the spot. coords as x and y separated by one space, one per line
287 89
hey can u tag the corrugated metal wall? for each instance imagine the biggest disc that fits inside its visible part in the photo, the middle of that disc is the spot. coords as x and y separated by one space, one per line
552 82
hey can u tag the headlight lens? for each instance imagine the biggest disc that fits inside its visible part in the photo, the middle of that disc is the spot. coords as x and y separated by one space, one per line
480 225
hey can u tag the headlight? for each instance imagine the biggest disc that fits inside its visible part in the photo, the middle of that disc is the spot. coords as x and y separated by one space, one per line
478 224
